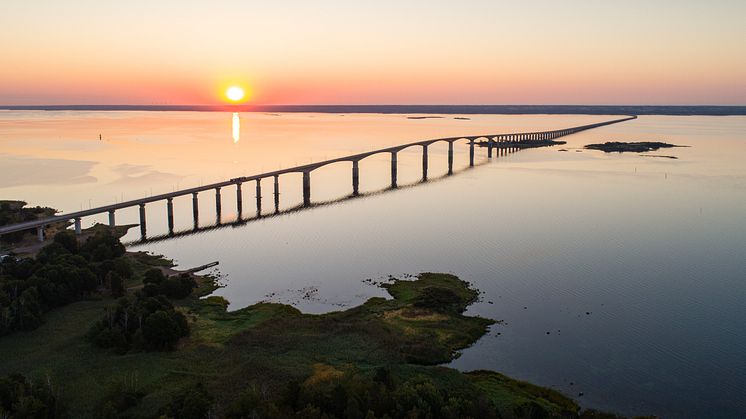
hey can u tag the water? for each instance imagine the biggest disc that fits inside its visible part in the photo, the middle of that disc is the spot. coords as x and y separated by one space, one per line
634 265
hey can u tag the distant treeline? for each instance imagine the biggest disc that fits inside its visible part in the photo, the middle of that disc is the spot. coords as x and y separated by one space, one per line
712 110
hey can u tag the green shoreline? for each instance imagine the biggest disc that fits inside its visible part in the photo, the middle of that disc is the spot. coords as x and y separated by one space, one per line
244 362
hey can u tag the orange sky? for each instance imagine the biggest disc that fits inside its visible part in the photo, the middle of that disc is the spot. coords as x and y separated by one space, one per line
383 52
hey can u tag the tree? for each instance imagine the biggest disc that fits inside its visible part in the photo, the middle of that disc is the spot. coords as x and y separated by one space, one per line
67 240
160 331
116 284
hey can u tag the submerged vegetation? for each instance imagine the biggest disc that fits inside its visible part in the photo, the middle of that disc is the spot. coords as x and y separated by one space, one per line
125 340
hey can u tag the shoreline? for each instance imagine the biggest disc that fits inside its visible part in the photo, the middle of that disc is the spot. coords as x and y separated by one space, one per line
416 331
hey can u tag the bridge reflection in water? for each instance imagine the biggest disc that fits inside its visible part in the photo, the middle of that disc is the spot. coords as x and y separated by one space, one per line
239 221
502 142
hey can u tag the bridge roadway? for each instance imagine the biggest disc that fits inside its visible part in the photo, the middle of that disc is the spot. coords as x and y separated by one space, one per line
492 140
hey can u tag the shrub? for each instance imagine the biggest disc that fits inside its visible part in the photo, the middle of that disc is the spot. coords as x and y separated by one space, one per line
193 402
67 240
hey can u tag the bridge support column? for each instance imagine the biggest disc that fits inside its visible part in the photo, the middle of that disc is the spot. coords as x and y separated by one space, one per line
143 222
277 193
489 148
424 162
170 207
40 233
450 157
239 200
258 197
306 189
471 153
78 228
112 219
394 168
355 177
195 210
218 206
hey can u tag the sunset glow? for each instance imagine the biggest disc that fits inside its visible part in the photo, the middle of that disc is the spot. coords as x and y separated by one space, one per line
574 52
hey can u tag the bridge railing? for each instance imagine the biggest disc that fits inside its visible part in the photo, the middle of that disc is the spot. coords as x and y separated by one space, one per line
499 140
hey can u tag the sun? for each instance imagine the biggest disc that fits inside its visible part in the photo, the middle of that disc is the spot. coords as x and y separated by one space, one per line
235 93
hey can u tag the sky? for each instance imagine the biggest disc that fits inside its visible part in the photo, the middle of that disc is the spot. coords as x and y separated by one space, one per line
373 52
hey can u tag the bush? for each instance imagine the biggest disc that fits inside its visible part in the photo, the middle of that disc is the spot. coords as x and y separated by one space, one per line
153 276
359 395
116 284
160 331
193 402
176 287
67 240
140 322
439 299
21 398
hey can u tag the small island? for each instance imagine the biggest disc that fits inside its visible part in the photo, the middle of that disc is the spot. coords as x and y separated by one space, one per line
629 147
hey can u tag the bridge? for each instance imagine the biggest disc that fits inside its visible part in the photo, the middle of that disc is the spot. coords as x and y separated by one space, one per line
491 142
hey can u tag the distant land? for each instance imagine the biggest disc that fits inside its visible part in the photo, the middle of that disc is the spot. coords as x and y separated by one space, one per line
410 109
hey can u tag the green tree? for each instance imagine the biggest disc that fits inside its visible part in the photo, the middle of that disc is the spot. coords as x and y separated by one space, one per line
160 331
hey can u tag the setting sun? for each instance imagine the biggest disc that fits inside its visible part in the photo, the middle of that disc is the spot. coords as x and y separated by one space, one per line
234 93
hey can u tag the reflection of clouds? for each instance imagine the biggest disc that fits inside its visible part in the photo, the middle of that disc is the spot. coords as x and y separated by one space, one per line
135 173
19 170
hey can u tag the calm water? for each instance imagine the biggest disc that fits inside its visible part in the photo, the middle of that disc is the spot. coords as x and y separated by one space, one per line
634 265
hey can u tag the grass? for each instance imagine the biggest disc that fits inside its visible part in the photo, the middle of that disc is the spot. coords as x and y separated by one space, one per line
269 345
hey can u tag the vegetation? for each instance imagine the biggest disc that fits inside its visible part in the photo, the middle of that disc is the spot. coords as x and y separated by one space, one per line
21 398
62 272
162 350
631 147
12 212
139 322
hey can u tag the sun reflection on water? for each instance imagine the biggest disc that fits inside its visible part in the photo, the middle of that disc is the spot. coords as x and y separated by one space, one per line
236 128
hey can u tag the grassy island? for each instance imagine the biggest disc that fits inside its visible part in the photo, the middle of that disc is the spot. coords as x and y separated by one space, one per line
157 344
629 147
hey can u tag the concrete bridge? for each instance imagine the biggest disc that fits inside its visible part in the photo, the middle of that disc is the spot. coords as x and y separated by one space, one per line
493 141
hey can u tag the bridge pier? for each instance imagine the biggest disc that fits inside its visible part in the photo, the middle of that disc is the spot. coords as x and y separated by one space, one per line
450 157
258 198
394 168
195 210
78 229
489 148
471 153
306 189
218 206
143 224
239 200
112 219
355 177
40 233
424 162
277 193
170 206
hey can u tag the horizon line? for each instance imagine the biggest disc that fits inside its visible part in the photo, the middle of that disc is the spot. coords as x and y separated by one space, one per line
670 110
